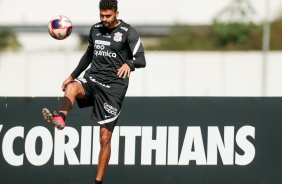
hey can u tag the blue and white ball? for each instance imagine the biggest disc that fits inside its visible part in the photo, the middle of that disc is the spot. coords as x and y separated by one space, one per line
60 27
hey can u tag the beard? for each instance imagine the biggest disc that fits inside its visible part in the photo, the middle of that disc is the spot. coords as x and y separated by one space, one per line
109 24
106 24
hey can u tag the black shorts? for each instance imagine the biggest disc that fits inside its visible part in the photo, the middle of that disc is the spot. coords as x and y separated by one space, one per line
106 107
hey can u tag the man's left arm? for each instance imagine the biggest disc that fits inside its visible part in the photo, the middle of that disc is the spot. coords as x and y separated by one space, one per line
136 47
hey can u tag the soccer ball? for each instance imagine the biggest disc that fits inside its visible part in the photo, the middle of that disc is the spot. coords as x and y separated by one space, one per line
60 27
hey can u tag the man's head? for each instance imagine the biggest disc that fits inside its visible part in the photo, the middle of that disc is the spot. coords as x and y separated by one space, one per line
108 5
109 13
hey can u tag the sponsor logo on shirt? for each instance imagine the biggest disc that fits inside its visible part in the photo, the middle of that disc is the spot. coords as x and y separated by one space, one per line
102 42
105 53
99 47
97 82
110 109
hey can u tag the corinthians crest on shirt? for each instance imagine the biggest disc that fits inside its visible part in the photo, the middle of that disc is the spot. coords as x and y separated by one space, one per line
118 37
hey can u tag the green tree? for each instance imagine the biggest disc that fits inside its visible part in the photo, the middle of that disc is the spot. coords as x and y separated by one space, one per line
276 34
8 40
233 25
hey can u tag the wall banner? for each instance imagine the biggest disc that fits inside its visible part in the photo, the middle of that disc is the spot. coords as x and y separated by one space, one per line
195 140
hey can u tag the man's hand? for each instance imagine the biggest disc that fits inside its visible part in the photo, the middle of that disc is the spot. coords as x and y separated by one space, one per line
68 80
124 71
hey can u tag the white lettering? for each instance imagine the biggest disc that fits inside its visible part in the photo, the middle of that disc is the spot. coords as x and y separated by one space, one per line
39 145
85 150
68 148
172 145
130 133
193 136
7 146
104 85
102 42
30 146
148 145
226 148
245 145
115 147
105 53
96 145
99 47
110 109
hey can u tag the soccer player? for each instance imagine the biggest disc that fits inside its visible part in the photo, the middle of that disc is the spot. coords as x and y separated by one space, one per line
114 50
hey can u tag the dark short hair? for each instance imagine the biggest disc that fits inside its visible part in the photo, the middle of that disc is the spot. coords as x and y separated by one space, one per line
108 5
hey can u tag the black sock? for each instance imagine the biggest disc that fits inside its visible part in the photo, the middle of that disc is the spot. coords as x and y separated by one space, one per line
63 115
98 182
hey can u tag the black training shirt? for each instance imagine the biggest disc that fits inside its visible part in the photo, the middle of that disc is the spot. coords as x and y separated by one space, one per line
107 51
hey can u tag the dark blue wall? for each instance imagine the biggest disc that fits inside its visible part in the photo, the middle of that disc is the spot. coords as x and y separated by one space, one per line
195 140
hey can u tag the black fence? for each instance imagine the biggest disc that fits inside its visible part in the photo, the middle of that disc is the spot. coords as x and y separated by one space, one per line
195 140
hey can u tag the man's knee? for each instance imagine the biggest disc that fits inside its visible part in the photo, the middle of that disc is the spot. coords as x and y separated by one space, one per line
105 137
105 141
74 88
71 87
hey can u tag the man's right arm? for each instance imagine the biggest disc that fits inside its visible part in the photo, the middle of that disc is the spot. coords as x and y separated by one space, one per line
83 63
